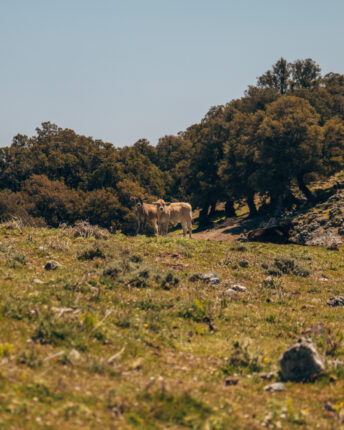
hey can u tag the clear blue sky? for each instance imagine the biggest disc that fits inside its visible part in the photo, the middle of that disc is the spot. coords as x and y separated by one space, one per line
124 70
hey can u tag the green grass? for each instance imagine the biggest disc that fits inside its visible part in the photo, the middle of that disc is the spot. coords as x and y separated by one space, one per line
155 348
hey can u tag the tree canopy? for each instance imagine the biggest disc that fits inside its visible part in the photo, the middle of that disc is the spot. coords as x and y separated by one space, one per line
287 128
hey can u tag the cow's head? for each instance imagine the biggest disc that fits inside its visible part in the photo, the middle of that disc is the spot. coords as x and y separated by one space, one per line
139 201
161 205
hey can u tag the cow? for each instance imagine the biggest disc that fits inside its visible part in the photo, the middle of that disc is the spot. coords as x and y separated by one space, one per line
174 213
146 214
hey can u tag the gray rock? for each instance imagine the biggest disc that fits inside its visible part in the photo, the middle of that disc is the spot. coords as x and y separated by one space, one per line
267 376
208 278
239 288
336 301
277 386
301 361
52 265
211 278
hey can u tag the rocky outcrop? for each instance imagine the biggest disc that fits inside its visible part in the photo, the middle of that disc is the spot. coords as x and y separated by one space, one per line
301 361
323 225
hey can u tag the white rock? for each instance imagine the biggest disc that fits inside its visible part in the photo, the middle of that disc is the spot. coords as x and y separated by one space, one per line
277 386
239 288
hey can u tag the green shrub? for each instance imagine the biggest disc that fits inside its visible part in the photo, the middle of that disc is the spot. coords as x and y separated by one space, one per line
91 252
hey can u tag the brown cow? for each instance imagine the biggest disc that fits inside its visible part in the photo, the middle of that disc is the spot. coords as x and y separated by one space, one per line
174 213
146 214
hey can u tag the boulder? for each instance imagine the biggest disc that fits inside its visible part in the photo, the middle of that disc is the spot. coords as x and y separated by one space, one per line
336 301
301 361
52 265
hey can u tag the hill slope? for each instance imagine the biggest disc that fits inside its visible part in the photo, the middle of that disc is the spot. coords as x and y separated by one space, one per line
119 336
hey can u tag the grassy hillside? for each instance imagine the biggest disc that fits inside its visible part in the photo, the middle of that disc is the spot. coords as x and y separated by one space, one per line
120 337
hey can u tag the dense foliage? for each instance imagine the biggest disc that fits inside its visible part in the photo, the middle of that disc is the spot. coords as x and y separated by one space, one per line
284 131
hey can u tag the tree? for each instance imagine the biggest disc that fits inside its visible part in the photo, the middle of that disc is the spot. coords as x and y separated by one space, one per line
289 146
201 180
277 78
238 166
305 74
333 146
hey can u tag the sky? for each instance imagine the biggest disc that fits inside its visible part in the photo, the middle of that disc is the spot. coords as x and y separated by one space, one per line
130 69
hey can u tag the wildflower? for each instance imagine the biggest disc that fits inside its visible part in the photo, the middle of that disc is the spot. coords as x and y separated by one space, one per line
266 359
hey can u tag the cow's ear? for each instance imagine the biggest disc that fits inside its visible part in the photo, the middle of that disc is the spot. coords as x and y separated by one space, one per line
167 204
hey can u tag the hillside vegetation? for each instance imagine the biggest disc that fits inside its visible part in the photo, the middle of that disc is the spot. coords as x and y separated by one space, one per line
267 146
124 334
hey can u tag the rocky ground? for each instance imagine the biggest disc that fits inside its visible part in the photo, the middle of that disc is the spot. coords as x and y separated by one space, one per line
108 331
320 224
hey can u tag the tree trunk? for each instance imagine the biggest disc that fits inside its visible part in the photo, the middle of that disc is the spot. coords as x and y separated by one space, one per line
203 216
290 200
251 204
307 193
212 209
273 203
229 208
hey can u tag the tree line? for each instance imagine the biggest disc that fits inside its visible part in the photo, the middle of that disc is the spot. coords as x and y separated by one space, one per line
285 131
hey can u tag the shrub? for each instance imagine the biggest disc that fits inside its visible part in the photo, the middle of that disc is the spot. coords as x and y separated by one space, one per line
91 252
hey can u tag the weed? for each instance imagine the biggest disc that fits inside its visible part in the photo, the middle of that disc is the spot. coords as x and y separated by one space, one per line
6 349
284 264
30 359
55 332
170 409
245 354
197 311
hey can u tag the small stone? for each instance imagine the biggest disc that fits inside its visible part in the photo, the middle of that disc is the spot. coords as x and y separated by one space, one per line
243 263
239 288
74 355
137 364
267 376
211 278
195 277
277 386
231 381
52 265
336 301
301 361
230 293
38 281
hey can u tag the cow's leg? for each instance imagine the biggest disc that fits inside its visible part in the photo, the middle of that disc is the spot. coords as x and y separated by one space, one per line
156 227
190 228
165 228
138 226
185 228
